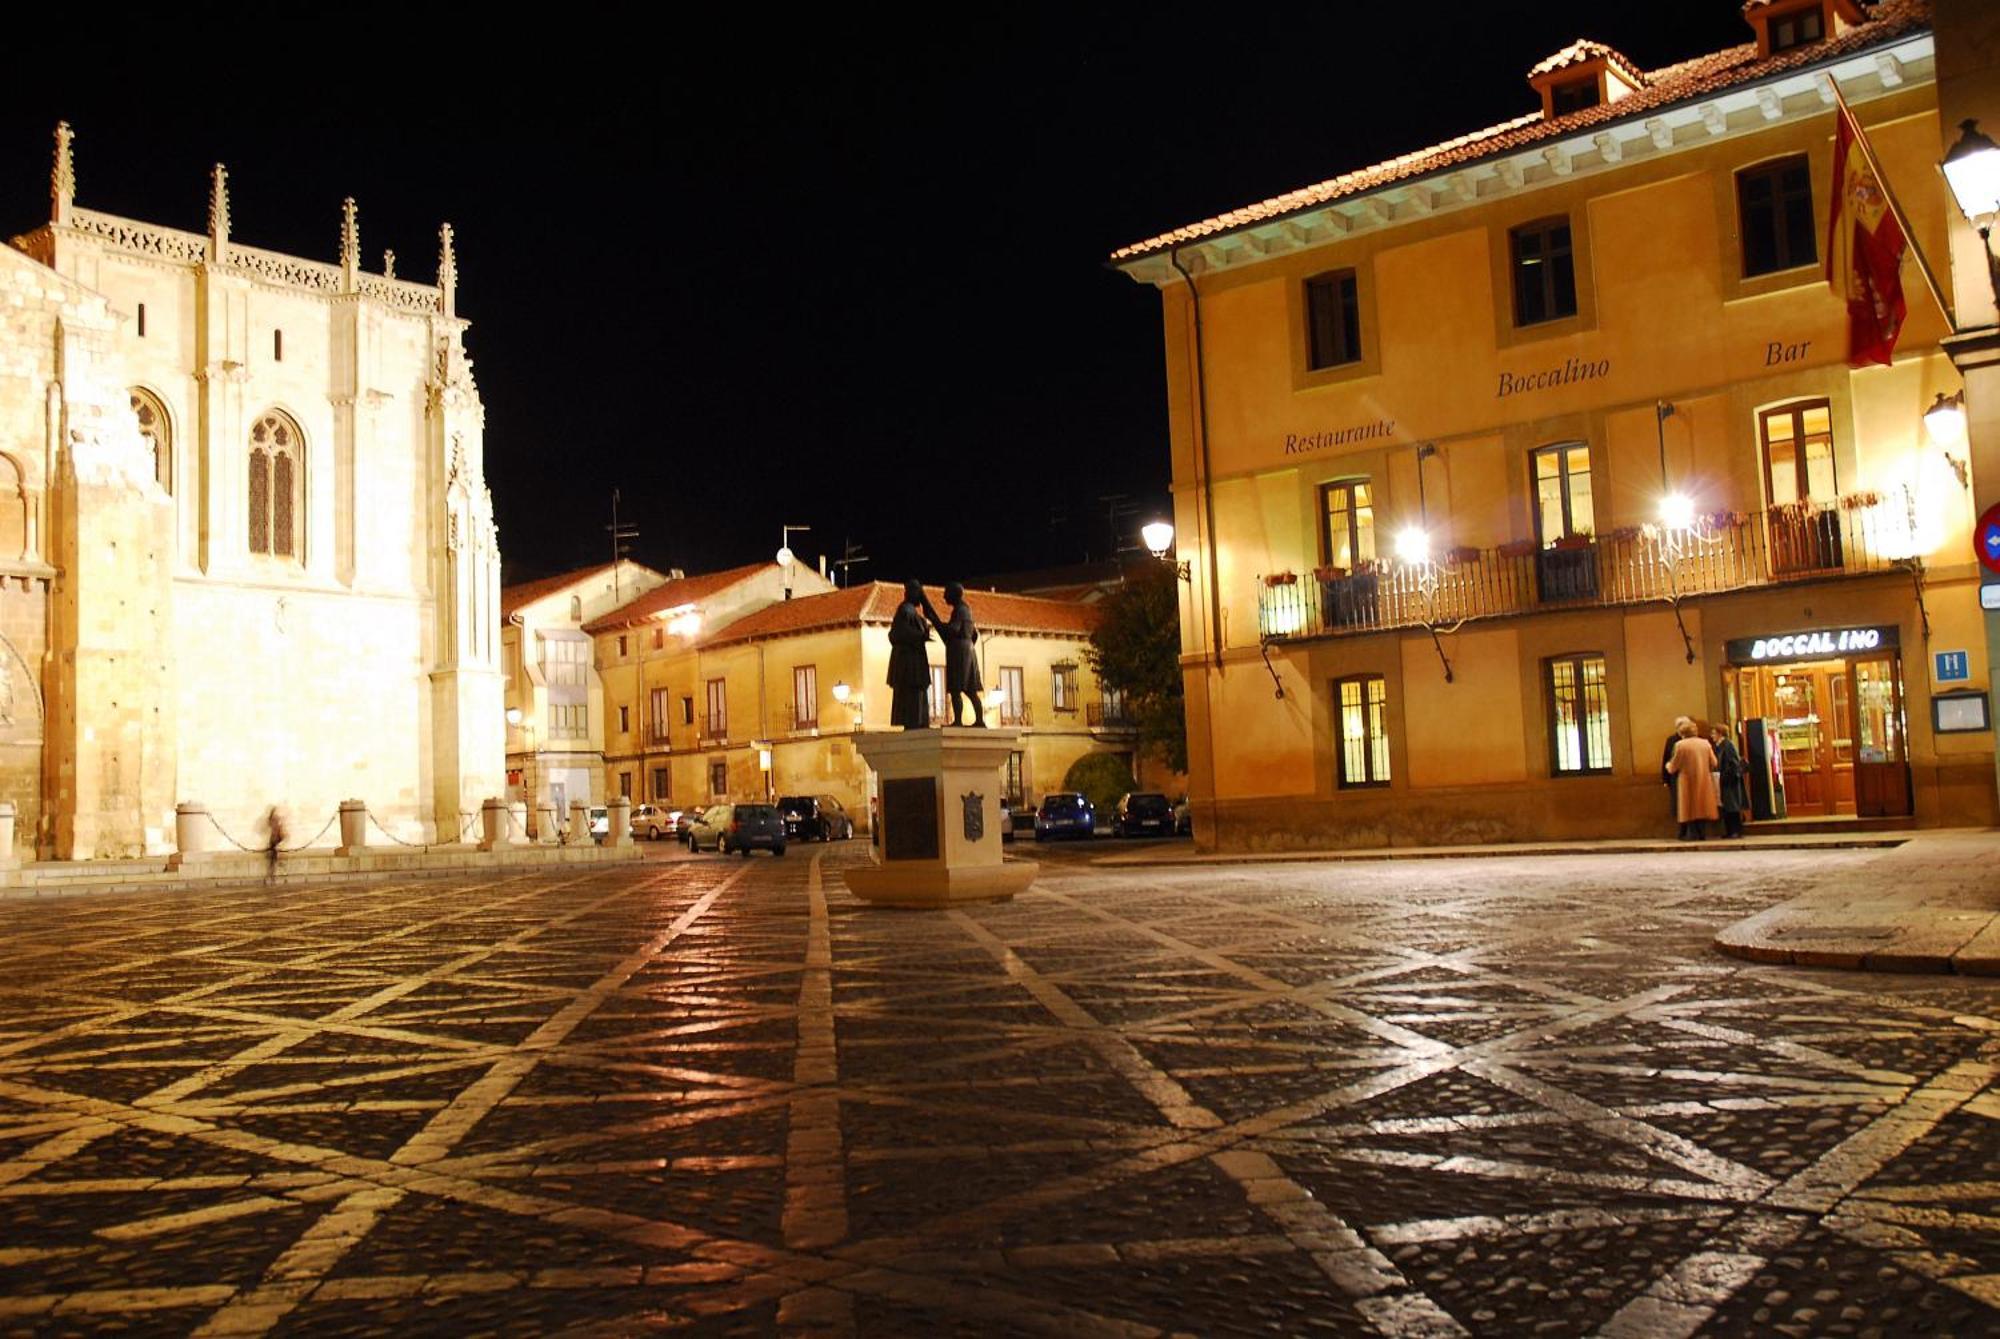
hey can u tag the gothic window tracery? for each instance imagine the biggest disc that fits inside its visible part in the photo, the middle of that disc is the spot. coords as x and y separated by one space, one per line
159 434
277 483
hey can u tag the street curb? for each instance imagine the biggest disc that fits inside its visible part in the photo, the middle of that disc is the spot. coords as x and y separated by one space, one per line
1146 860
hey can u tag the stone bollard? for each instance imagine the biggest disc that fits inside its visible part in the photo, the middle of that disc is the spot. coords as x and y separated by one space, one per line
545 822
191 828
517 828
579 823
353 827
620 831
492 824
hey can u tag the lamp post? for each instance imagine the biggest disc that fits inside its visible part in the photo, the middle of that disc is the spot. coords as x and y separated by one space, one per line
786 558
1158 536
1972 170
518 720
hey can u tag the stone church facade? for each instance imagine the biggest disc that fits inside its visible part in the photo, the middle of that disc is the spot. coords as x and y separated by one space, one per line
247 551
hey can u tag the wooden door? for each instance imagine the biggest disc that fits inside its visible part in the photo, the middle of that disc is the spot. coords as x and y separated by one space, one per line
1881 767
1798 697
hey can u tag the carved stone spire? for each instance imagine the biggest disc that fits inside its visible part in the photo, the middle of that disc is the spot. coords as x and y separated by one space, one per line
218 213
350 243
447 271
62 177
388 265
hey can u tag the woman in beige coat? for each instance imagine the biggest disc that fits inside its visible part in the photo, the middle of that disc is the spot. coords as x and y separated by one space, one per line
1693 769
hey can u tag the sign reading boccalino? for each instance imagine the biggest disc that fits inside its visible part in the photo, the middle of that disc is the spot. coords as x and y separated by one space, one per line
1572 369
1299 443
1810 644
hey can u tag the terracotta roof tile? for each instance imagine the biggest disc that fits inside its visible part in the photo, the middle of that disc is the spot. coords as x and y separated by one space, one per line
525 593
1583 49
876 603
1671 84
685 590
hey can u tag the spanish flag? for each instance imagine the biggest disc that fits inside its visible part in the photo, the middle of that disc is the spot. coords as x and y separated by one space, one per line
1864 248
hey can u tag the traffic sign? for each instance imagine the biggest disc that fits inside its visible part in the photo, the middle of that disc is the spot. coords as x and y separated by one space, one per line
1986 538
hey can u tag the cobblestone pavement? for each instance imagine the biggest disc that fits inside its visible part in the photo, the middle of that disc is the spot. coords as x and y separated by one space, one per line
1494 1096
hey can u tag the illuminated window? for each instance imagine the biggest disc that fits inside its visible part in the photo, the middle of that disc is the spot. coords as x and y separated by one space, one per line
1013 696
153 426
1579 716
1798 452
1774 214
1347 523
1333 320
1363 704
805 697
718 709
658 725
1544 272
1563 506
1062 686
277 487
564 661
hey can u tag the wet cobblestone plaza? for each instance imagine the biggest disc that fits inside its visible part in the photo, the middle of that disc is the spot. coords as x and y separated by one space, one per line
1500 1096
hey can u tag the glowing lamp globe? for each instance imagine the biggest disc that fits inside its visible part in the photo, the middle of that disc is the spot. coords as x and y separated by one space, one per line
1945 420
1158 537
1972 170
1677 511
1413 545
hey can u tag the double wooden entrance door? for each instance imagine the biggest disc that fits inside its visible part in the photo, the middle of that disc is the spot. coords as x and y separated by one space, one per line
1839 725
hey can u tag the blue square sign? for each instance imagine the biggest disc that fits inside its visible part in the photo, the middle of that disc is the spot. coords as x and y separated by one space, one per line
1953 666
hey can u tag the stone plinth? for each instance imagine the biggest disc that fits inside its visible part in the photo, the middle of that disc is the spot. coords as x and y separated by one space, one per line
940 819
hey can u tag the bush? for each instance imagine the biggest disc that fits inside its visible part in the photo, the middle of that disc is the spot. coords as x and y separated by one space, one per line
1102 777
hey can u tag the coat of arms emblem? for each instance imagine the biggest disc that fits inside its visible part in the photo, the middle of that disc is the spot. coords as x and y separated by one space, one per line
975 815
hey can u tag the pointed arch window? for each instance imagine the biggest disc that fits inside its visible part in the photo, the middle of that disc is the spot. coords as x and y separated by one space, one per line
277 487
159 435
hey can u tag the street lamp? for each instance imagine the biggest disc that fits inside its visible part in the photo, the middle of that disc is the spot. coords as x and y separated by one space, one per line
1158 537
785 555
1972 170
841 692
1413 545
1677 511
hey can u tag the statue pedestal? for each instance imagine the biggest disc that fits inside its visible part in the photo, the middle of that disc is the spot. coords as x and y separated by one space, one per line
940 819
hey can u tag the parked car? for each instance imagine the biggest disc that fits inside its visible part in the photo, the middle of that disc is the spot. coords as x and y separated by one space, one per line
649 821
815 818
1143 813
741 828
1065 813
680 820
600 823
1183 818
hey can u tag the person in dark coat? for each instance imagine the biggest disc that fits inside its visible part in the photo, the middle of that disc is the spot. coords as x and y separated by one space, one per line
1732 796
909 664
961 656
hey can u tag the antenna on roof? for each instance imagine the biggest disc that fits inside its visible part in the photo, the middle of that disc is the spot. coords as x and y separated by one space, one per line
850 556
621 547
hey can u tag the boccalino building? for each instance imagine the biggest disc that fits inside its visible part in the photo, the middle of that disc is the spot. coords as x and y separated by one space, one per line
1627 467
247 552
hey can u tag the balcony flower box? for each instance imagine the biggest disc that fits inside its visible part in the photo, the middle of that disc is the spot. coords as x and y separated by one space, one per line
1329 573
1625 534
1860 501
1282 579
1518 548
1571 542
1461 556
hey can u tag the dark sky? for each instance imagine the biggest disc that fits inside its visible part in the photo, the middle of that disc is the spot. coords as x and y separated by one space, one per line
844 272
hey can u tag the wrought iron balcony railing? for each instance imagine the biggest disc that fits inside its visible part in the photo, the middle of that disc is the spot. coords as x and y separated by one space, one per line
1109 716
1724 552
1016 713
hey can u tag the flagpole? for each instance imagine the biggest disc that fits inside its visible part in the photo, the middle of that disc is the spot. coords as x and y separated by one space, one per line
1895 208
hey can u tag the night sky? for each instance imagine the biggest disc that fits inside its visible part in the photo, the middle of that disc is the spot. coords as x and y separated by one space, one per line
843 272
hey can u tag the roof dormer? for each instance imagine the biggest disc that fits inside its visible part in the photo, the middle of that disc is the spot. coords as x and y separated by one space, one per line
1583 74
1787 25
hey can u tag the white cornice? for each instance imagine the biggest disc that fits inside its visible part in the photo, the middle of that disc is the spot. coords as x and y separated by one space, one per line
1745 109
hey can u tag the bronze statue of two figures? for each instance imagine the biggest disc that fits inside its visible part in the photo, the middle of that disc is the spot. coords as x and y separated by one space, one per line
910 667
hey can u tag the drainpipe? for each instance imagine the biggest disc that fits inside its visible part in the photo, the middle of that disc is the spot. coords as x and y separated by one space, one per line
1207 499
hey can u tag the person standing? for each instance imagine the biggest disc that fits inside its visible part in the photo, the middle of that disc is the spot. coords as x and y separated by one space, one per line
1692 766
1731 795
1667 756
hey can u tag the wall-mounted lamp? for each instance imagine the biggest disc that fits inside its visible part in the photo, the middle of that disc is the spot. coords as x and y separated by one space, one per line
841 692
1677 511
1413 545
1158 536
1972 170
1944 421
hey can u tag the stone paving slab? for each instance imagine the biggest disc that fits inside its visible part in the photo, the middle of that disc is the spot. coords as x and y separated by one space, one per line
1930 905
1168 855
720 1096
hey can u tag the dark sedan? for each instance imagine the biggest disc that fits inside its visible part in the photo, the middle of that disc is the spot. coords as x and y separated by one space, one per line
1143 814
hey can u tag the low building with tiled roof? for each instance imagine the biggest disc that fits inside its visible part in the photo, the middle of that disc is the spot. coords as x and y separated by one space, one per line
1492 459
769 702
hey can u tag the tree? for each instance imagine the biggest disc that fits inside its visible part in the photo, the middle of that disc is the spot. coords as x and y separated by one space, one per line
1136 651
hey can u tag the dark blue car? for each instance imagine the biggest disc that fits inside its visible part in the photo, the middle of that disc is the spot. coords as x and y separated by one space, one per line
1064 813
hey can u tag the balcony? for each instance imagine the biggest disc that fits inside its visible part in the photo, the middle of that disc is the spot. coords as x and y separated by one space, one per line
1109 716
1726 551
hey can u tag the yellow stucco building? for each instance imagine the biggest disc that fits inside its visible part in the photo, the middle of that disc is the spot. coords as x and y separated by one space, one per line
1498 456
718 687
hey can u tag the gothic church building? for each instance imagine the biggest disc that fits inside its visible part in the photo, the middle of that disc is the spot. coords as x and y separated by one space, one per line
247 552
